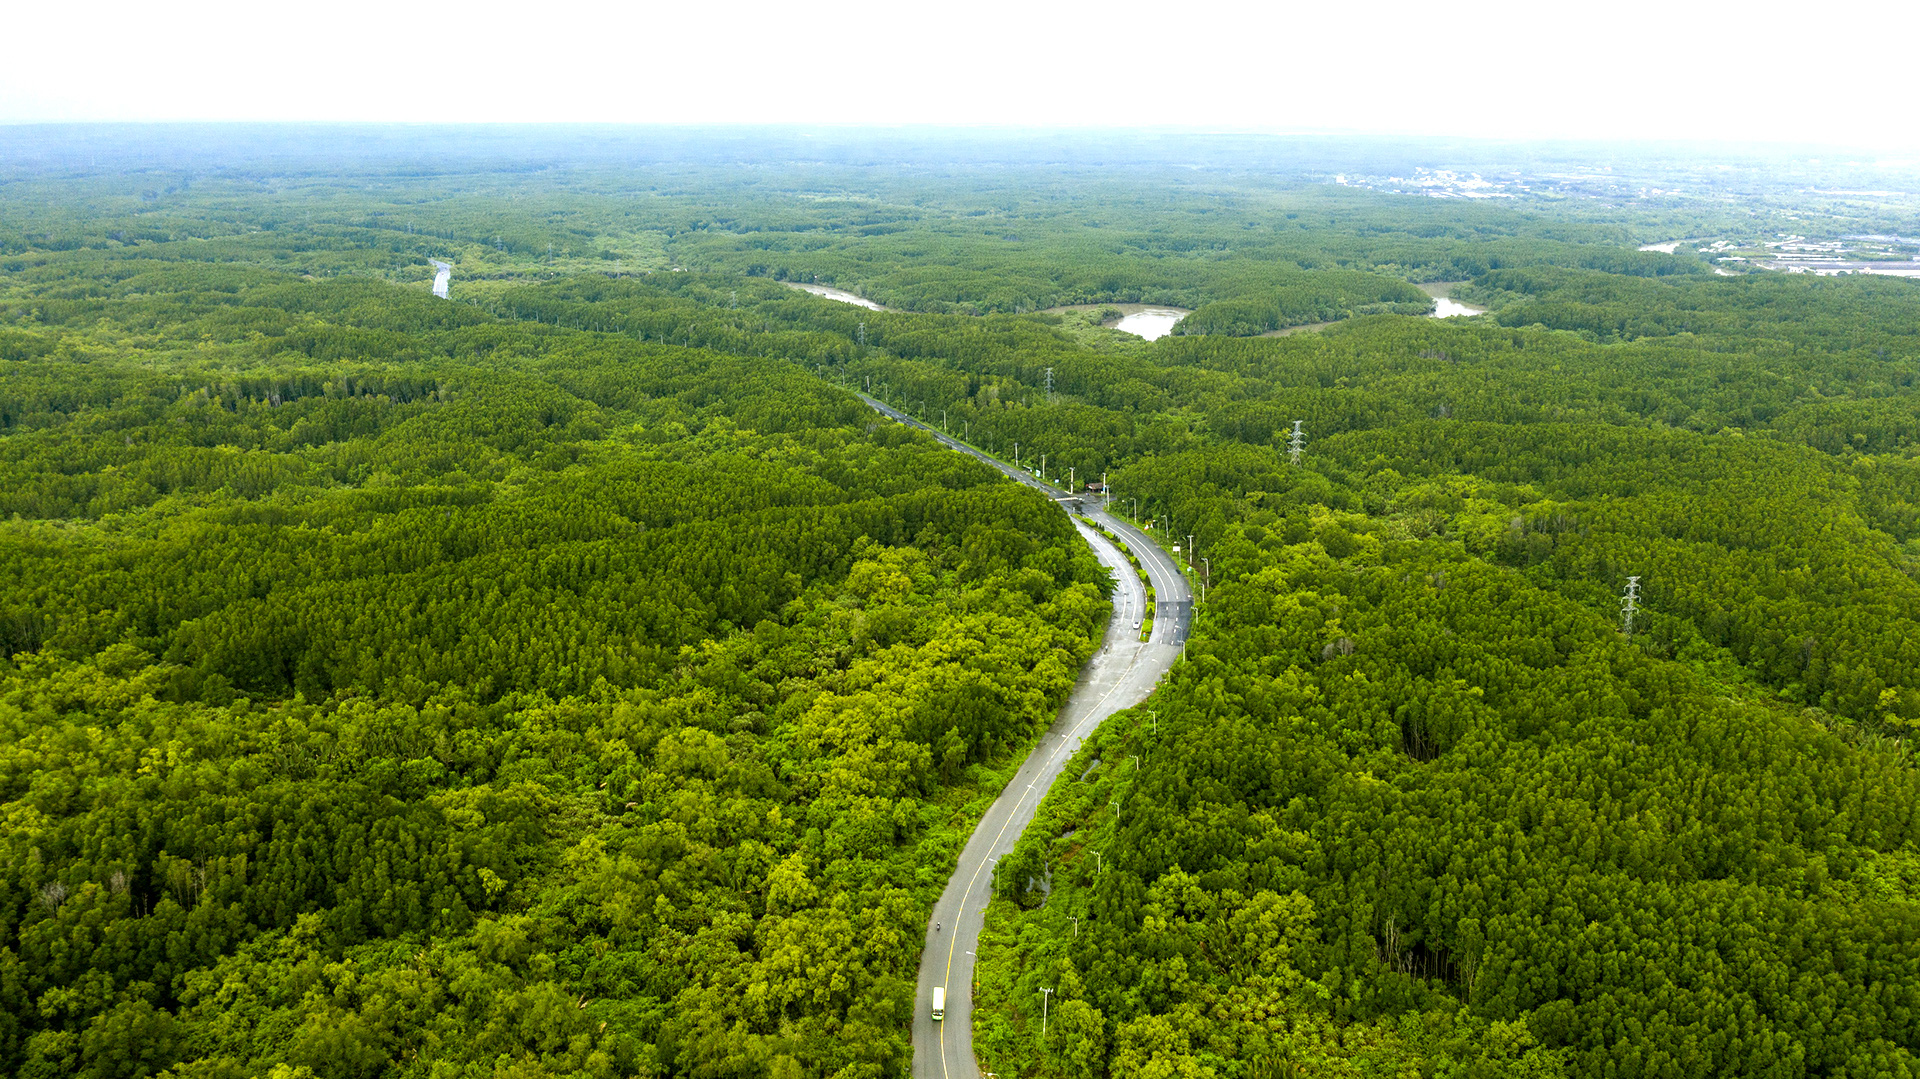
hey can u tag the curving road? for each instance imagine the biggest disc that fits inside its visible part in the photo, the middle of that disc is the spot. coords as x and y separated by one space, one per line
1121 674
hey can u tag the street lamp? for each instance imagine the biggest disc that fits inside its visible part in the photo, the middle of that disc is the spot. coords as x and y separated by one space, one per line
1045 999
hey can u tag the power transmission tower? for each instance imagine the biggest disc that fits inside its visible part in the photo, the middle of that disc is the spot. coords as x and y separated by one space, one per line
1295 443
1629 603
863 335
1049 385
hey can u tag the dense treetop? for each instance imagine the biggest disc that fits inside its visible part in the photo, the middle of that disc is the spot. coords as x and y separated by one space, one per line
398 687
576 679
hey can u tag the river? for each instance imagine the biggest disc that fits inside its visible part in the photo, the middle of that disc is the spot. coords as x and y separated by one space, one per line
836 294
1444 305
442 277
1838 268
1153 323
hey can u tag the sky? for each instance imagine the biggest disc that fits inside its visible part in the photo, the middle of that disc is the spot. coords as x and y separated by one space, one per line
1682 69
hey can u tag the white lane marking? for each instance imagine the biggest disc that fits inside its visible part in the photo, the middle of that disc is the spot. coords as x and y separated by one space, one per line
1132 663
953 941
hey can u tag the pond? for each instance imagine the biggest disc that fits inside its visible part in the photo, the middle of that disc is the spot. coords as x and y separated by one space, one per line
1446 308
1151 323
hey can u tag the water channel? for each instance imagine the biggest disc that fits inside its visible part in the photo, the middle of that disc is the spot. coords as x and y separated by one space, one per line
442 277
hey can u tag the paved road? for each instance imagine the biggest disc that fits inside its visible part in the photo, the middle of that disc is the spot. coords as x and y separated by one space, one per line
1121 674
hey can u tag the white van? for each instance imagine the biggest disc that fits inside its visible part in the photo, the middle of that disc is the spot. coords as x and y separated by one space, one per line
939 1002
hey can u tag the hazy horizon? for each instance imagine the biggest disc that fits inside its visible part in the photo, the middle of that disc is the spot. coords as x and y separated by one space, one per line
1501 71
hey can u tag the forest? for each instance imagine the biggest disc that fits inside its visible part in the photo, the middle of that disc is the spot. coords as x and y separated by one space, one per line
459 703
575 678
